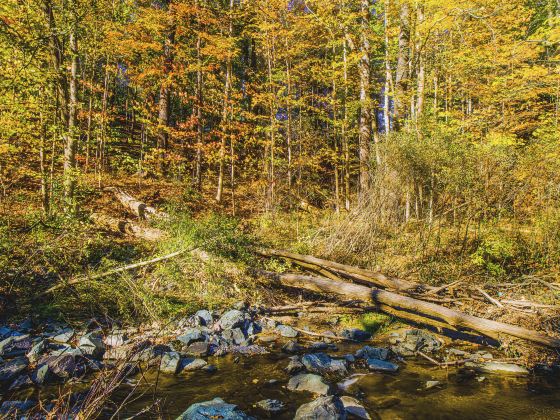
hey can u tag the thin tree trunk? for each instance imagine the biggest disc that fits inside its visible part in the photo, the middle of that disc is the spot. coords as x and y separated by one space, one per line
199 123
365 105
402 62
345 147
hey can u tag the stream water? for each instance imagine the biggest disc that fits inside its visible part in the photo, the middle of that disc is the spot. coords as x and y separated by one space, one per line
245 381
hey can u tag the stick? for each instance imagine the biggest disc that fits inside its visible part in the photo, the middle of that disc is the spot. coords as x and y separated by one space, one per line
405 304
119 270
445 286
490 298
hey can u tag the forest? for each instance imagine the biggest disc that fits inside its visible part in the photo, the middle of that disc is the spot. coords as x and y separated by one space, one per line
195 193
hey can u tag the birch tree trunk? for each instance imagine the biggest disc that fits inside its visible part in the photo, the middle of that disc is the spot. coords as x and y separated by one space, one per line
365 105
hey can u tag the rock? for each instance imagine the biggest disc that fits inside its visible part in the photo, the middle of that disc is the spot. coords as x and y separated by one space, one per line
356 334
241 305
292 347
457 352
15 345
483 355
5 332
266 338
209 368
431 384
286 331
63 366
253 328
382 366
271 323
294 365
309 382
116 339
499 368
354 408
215 409
251 350
36 351
351 380
170 362
235 336
66 349
193 335
322 346
323 408
198 349
188 365
415 340
272 406
13 368
368 352
16 407
42 375
92 345
204 318
232 319
387 402
323 364
64 335
350 358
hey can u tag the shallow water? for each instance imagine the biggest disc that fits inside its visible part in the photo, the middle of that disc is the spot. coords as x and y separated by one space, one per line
244 381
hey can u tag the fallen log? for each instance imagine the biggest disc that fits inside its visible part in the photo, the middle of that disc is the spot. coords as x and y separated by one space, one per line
404 304
359 274
126 227
139 208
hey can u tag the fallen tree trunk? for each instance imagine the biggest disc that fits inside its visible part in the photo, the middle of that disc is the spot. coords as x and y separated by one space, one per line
140 209
371 278
127 227
404 304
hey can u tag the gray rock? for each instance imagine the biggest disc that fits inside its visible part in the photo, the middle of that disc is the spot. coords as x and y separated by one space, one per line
368 352
116 339
382 366
42 375
36 351
63 366
356 334
323 408
309 382
5 331
23 381
253 328
431 384
415 340
232 319
188 364
499 368
64 335
346 383
198 349
210 368
272 406
13 408
193 335
354 409
235 336
170 362
15 345
294 365
323 364
241 305
251 350
13 368
215 409
350 358
286 331
92 345
204 318
292 347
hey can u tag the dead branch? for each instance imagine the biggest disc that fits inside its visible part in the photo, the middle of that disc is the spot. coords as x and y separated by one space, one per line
140 209
126 227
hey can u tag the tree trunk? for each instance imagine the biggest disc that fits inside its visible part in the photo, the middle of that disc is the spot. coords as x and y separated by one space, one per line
365 103
402 62
126 227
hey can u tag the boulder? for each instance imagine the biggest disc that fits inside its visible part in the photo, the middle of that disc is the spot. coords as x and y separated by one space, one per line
382 366
189 364
36 351
416 340
309 382
499 368
232 319
323 364
42 375
286 331
13 368
198 349
203 318
64 335
15 345
354 409
272 406
235 336
253 328
170 362
63 366
193 335
323 408
116 339
92 344
368 352
215 409
294 365
356 334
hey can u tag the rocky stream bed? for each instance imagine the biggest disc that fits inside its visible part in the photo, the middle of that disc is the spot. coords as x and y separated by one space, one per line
240 364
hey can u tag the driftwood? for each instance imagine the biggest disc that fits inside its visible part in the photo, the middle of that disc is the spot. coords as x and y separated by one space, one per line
490 298
405 305
127 227
370 278
140 209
